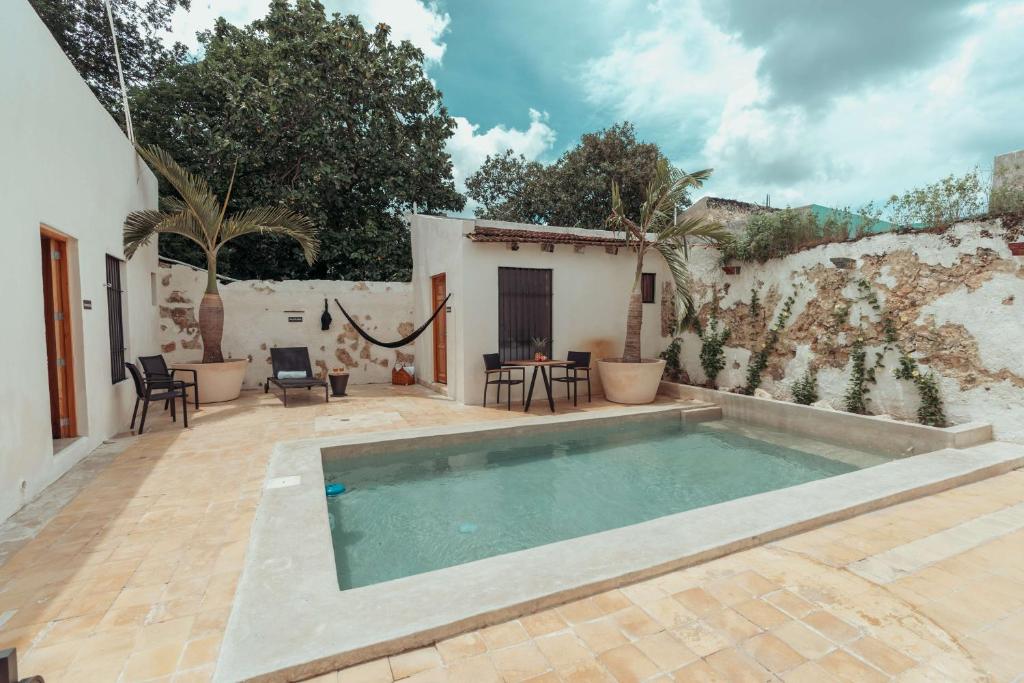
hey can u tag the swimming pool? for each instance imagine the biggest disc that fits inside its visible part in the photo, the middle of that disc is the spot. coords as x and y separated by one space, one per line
415 510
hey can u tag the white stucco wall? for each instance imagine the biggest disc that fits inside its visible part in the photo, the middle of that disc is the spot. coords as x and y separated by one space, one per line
65 164
256 318
959 295
590 296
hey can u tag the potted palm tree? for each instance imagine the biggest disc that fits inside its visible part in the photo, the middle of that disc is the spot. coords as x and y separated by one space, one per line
196 213
632 378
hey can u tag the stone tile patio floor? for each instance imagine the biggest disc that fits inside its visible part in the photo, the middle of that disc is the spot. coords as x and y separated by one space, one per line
133 579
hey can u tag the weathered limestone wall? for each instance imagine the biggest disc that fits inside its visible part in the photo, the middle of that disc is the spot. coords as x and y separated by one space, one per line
956 300
257 316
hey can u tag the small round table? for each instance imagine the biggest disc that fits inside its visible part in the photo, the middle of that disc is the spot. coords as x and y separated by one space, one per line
541 365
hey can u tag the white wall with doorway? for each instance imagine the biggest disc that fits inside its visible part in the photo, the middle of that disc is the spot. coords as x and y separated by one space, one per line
66 165
590 296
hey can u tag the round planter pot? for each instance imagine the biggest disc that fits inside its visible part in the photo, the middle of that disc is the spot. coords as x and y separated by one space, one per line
631 383
339 383
217 382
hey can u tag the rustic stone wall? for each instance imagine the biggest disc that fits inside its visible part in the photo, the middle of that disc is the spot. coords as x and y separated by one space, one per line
259 315
954 299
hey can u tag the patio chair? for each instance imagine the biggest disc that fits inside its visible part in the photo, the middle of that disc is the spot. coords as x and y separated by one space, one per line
292 370
572 373
492 368
154 392
155 368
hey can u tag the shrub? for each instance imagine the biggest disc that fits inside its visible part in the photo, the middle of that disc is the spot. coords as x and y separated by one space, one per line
940 204
773 234
805 389
931 412
673 366
712 351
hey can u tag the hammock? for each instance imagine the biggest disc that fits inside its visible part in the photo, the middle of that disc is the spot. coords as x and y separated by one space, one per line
395 344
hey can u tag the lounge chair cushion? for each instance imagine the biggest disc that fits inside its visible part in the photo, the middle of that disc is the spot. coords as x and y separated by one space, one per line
291 374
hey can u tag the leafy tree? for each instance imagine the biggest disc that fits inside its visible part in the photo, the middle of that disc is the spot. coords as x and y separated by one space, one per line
321 116
576 189
82 30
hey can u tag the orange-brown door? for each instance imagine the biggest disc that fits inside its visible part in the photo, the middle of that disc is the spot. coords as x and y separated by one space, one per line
57 312
439 288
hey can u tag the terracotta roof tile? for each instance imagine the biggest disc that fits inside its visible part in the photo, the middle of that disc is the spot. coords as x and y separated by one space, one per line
482 234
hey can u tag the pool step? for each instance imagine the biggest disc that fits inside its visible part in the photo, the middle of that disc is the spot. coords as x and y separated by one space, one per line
700 412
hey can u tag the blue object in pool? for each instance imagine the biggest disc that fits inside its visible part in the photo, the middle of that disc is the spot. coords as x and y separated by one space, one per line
335 490
467 528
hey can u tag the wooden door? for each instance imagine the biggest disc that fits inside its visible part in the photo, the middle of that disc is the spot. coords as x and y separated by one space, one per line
439 288
57 314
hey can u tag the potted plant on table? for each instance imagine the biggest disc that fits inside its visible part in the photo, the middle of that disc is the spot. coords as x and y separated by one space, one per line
633 378
197 214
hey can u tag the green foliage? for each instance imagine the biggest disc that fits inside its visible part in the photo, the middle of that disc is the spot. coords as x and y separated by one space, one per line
576 189
82 30
322 116
755 303
673 362
773 234
940 204
857 390
932 411
712 350
759 361
805 389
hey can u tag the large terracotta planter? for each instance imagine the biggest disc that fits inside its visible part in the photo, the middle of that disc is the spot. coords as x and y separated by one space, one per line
631 383
217 382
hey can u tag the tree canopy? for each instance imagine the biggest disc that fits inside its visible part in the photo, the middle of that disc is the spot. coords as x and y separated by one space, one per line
83 32
576 189
322 116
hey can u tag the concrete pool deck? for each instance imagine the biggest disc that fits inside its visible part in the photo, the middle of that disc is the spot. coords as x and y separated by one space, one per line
134 578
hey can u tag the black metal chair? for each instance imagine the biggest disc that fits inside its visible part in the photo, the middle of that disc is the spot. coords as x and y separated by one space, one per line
580 364
492 367
155 368
155 391
293 360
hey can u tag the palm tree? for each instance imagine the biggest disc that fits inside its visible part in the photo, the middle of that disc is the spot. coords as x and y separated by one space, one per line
670 238
197 214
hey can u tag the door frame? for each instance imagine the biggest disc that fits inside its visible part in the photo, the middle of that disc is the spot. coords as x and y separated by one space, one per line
440 344
59 335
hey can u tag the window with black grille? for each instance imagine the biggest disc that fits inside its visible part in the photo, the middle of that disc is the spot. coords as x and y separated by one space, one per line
524 312
115 318
647 288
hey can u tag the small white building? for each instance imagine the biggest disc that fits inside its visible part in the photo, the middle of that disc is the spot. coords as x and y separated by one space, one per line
511 282
74 308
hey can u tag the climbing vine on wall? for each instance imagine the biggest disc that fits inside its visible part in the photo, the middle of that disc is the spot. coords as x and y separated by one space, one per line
712 350
759 361
855 397
931 412
805 389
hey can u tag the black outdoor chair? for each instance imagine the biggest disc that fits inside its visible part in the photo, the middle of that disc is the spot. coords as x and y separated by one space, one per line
155 391
578 371
289 360
492 367
156 369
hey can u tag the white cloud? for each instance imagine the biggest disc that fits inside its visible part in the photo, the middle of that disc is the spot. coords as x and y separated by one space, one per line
418 21
469 147
690 79
421 23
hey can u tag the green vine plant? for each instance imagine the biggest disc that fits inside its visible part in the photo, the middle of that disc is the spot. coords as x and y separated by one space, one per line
712 350
673 363
855 397
755 303
931 412
759 361
805 389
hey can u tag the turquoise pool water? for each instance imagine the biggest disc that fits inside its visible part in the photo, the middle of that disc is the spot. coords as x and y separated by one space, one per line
420 510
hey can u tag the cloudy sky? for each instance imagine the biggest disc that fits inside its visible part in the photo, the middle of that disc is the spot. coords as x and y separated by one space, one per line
835 102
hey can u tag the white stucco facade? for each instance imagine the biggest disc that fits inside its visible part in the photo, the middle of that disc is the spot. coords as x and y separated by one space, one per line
66 165
590 295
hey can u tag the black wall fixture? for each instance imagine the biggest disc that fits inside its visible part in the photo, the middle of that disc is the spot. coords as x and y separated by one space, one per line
325 319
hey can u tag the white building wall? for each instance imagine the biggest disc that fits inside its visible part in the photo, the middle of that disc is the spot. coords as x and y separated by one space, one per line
259 315
590 296
65 164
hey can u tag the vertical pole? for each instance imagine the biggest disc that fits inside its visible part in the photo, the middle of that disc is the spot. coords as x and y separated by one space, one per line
120 76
